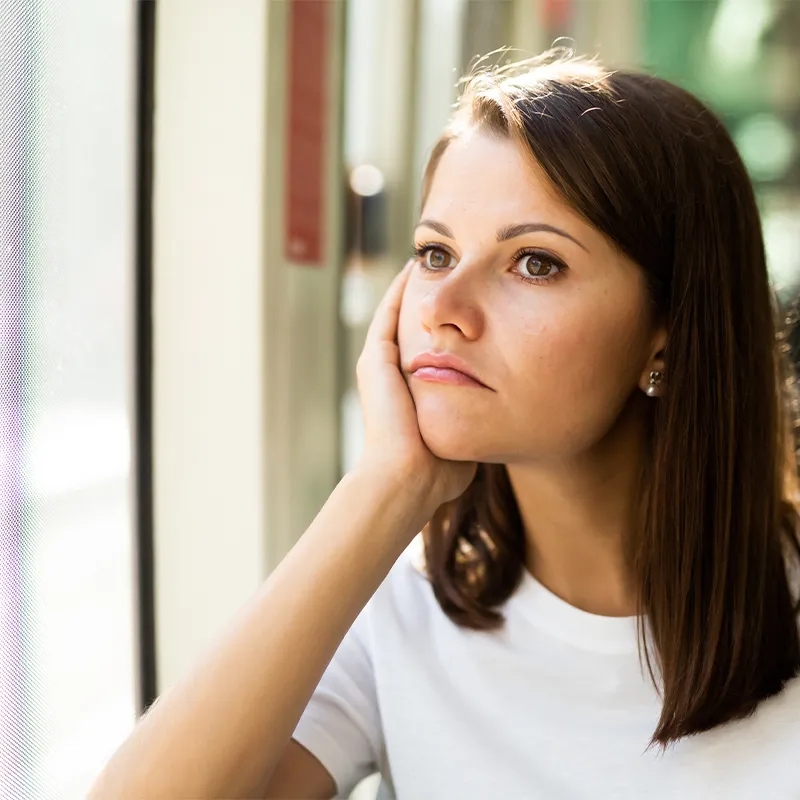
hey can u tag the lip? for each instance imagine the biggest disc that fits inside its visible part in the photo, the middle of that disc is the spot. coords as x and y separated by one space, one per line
444 368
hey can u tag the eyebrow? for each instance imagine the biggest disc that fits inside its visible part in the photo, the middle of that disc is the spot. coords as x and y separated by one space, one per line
506 233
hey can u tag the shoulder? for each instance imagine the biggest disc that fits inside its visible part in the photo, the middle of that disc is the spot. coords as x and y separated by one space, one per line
414 556
408 576
405 597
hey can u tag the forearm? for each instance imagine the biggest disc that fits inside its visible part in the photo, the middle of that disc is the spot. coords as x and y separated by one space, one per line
220 732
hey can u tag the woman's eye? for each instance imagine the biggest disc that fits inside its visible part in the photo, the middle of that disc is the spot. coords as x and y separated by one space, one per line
436 259
538 266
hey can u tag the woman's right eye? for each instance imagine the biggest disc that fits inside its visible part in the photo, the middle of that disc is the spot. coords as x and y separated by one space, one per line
433 258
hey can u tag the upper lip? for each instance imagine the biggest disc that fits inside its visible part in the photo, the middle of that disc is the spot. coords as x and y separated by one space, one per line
443 361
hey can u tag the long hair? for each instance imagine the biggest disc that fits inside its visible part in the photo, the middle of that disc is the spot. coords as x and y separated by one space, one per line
653 168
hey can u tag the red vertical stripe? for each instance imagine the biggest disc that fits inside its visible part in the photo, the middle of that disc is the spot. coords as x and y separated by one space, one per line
557 13
308 124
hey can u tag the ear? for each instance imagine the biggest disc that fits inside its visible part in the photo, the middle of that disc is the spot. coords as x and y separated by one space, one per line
655 363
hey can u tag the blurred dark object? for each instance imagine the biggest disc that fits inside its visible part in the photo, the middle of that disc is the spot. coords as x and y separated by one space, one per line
366 212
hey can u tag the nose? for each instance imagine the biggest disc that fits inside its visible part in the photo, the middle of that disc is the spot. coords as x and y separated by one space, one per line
453 301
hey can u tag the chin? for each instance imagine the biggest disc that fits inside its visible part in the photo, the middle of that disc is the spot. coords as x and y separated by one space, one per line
450 438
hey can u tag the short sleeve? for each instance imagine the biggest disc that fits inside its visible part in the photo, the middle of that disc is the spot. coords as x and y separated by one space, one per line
341 723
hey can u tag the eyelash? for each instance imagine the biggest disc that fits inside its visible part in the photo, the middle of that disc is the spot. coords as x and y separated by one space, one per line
419 251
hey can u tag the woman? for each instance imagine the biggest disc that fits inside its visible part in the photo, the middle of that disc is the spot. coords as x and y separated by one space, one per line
575 391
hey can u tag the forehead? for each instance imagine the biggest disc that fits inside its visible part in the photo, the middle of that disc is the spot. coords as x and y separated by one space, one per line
484 174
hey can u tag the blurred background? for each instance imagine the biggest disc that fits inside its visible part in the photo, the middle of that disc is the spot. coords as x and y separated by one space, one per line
202 202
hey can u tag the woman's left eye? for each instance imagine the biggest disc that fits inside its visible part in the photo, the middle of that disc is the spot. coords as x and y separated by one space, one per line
538 266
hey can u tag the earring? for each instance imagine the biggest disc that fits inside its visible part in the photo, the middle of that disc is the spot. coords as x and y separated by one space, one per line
654 389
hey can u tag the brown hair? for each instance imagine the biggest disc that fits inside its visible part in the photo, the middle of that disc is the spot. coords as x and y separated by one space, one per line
650 166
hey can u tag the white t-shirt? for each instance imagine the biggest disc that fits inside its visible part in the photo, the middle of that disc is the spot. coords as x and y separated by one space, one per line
553 705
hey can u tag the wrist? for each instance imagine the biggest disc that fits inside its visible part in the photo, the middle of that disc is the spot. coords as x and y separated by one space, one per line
408 493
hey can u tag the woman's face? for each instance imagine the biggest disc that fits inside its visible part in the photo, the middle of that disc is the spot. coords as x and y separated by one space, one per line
560 352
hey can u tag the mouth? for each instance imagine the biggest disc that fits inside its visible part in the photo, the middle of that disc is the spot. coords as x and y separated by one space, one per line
446 375
444 368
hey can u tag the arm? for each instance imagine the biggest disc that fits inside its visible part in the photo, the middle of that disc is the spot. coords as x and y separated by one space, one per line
223 729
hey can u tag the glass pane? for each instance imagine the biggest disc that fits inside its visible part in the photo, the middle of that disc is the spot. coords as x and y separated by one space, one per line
67 689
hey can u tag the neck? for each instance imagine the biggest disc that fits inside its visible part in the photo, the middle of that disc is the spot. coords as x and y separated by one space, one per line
577 515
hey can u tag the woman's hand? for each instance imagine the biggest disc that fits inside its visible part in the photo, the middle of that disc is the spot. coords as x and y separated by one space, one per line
394 446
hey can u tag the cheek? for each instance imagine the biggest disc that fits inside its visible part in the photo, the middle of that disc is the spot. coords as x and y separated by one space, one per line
575 371
587 348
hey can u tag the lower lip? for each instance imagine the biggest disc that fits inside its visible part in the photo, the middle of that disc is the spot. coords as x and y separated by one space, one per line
441 375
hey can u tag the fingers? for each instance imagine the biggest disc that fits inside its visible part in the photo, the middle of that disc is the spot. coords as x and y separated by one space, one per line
384 322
